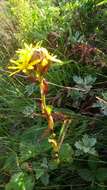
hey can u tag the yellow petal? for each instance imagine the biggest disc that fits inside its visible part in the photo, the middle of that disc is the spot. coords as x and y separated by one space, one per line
12 67
24 70
44 62
13 73
30 67
13 61
35 62
54 59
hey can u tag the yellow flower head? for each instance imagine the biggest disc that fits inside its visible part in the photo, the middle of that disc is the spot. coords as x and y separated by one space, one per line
32 58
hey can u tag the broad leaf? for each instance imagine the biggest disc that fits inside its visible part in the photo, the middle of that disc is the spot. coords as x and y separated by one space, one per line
39 173
66 153
20 181
93 162
45 179
86 174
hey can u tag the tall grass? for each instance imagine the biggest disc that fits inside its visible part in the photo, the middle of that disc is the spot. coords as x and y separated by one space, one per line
8 41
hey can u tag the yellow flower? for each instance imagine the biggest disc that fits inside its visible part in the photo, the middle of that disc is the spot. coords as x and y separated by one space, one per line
32 58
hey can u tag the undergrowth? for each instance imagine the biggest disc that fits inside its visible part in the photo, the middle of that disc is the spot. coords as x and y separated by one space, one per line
75 31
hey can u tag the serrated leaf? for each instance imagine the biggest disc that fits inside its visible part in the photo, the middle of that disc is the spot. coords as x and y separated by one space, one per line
29 110
29 89
86 145
93 151
86 149
89 80
78 79
93 141
79 145
86 140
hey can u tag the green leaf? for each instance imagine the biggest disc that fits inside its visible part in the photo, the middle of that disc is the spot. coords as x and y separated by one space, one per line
53 164
93 162
45 163
93 151
11 163
104 94
86 140
89 80
101 174
100 188
78 152
102 3
66 153
79 145
39 173
29 110
92 141
45 179
30 147
78 79
86 145
29 89
86 174
20 181
86 149
27 151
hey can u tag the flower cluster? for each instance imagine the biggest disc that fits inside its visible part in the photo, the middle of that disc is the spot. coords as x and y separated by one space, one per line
32 59
36 60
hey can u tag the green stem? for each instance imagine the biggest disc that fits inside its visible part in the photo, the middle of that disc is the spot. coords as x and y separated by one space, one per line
48 116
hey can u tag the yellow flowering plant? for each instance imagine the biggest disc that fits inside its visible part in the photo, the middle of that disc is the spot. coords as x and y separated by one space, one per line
34 61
